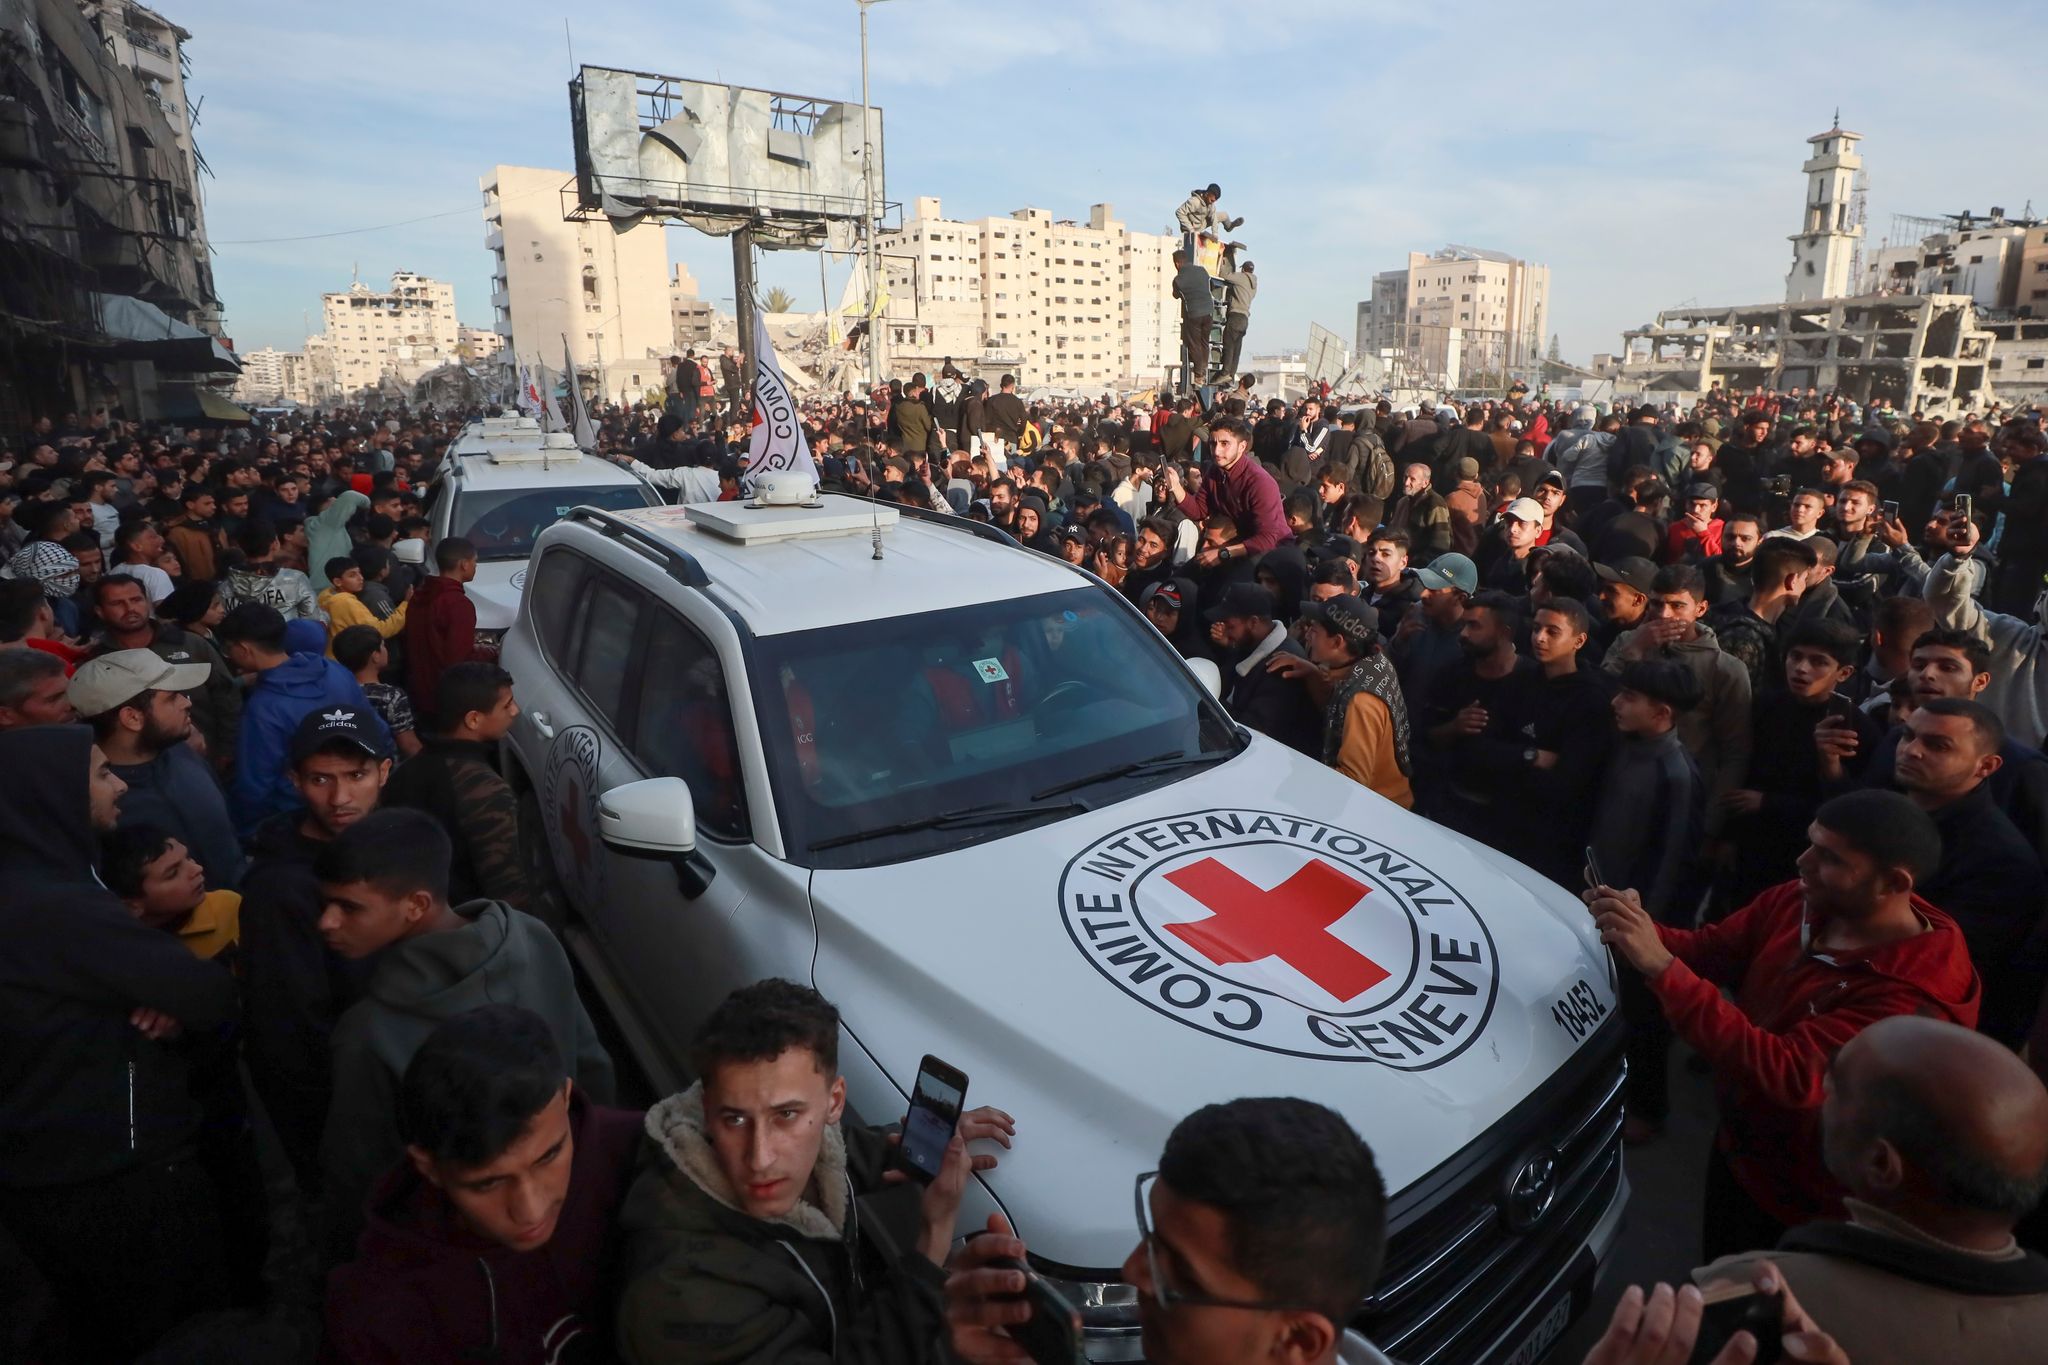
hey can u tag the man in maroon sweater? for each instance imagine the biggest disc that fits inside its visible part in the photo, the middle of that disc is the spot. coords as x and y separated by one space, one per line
1811 964
440 628
492 1241
1240 488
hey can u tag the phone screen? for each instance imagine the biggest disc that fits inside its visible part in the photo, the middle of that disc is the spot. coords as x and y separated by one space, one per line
1891 511
934 1113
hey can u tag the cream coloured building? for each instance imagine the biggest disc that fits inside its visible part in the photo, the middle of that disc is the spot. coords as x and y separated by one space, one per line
270 376
1457 314
403 331
606 291
1063 303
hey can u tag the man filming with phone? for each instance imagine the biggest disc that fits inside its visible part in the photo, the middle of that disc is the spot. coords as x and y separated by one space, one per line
751 1232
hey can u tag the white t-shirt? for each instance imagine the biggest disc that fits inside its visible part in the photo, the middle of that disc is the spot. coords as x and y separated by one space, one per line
155 581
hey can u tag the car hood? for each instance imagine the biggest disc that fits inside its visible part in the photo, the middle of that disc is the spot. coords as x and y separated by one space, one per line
496 590
1104 976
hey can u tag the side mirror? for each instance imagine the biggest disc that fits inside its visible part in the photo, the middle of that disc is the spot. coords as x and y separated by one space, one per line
655 818
1209 675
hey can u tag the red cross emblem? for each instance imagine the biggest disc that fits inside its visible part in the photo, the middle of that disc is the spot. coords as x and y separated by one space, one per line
1291 922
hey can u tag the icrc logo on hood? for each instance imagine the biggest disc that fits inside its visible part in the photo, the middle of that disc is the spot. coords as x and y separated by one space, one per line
1286 934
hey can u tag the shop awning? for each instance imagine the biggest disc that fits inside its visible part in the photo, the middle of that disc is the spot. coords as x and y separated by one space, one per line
142 331
201 407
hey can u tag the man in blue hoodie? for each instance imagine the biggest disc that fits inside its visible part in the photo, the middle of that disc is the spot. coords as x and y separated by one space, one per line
288 687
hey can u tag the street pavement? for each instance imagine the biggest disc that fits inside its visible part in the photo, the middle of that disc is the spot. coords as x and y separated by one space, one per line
1660 1237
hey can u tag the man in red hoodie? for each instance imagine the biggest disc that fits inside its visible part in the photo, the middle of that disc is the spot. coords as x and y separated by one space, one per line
440 629
1811 963
492 1240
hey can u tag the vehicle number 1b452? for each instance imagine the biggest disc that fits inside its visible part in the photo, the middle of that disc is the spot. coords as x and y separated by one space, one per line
1579 1012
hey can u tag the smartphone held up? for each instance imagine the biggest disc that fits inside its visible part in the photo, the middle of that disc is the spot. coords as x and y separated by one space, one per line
936 1104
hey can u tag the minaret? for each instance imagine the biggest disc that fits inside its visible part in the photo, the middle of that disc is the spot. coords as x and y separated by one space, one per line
1826 243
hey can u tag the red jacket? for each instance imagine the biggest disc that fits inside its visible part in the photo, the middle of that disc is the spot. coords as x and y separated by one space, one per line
440 631
1793 1009
425 1290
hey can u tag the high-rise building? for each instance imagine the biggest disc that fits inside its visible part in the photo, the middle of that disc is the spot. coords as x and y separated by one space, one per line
606 291
1067 304
1457 314
153 48
1825 246
271 376
401 331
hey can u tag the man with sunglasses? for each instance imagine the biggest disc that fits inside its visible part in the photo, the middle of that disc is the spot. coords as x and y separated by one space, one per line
1260 1234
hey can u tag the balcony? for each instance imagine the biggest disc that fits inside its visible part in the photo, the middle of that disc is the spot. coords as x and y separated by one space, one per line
137 38
494 237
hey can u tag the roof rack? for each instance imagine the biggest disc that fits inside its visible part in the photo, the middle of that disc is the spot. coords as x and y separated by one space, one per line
680 565
981 530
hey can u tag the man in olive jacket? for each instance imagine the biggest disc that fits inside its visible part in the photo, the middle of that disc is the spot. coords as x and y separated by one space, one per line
752 1232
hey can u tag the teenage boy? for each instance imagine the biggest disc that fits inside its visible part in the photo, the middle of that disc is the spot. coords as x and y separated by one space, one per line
508 1170
1808 964
455 779
442 629
1765 819
751 1232
1566 730
1365 720
1646 833
343 602
293 987
164 886
363 652
384 881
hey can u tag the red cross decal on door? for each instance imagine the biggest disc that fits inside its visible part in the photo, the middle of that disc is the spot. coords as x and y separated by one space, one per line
1291 922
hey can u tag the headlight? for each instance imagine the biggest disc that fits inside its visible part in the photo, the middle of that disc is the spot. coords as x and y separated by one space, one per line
487 642
1109 1316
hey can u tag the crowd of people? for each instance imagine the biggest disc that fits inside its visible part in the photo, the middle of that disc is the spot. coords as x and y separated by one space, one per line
290 1062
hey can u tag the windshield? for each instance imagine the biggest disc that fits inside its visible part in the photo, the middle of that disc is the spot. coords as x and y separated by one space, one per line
974 722
504 522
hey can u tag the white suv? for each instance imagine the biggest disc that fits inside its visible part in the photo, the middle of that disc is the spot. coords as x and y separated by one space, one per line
504 481
970 794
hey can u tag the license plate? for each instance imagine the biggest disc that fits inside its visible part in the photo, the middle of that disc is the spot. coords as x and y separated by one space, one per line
1552 1322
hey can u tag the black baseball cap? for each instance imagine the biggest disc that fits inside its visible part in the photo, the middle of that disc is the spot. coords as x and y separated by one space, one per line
327 726
1356 621
1633 570
1242 599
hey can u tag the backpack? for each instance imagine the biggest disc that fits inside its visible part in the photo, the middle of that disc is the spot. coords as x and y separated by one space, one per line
1375 466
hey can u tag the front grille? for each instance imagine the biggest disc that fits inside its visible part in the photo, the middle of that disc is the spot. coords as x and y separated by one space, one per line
1458 1272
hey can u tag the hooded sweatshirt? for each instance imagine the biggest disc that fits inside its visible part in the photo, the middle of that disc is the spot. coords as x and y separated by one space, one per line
1289 567
497 956
281 698
706 1284
440 633
425 1289
83 1095
327 532
1794 1007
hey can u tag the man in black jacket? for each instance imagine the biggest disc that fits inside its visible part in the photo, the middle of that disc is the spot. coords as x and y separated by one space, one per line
1242 625
294 988
455 779
1990 880
99 1184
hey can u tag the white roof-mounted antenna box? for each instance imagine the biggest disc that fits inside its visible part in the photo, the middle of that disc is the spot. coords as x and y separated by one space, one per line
830 517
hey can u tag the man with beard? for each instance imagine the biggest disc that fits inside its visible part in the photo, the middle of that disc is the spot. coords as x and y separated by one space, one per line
1244 631
1153 558
1240 488
141 717
1731 573
128 622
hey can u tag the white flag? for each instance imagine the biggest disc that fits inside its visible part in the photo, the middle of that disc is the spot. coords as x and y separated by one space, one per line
529 396
579 415
778 442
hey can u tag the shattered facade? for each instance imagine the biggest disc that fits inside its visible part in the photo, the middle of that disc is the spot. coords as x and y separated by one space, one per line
106 289
1921 352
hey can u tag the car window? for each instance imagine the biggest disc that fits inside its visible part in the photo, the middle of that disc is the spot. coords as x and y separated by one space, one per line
610 618
503 523
555 587
685 724
878 723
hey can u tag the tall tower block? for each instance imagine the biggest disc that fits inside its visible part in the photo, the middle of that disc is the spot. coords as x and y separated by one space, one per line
1825 245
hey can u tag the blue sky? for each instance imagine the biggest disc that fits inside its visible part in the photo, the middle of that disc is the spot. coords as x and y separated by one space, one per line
1649 154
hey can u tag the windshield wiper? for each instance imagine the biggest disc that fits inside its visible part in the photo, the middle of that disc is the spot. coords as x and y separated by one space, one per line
1158 763
972 815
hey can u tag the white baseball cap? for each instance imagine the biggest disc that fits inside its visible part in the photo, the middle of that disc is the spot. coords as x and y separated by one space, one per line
1525 509
104 683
